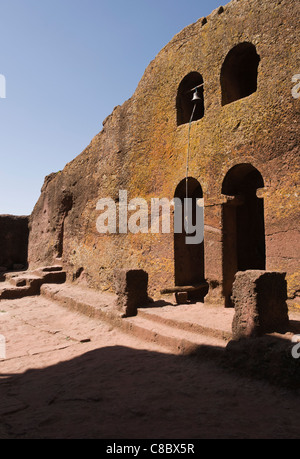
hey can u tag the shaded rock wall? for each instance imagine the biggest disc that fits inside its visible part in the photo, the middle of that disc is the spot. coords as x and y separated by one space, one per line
13 242
142 150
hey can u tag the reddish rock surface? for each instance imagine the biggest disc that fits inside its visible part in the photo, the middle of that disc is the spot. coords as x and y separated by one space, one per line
70 376
259 299
13 242
253 140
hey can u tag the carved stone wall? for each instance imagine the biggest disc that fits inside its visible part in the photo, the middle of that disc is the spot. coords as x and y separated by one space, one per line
142 148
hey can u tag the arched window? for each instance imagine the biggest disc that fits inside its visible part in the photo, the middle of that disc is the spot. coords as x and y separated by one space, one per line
239 73
184 102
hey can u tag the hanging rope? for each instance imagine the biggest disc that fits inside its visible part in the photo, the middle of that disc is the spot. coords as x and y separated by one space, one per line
188 159
188 150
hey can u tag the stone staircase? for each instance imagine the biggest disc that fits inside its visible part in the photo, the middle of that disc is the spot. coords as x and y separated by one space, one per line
183 329
16 285
175 336
196 329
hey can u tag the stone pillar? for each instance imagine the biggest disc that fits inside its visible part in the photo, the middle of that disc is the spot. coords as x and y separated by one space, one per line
259 298
213 252
132 290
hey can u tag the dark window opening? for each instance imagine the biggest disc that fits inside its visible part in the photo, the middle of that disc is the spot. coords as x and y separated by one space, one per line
243 225
239 73
184 102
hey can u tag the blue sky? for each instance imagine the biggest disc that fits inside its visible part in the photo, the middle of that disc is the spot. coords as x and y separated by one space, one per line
67 64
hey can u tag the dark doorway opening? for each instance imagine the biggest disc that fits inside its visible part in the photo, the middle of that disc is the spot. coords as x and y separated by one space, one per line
243 225
65 207
189 258
184 102
239 73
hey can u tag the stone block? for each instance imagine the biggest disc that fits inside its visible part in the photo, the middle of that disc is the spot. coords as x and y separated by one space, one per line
131 287
259 299
181 297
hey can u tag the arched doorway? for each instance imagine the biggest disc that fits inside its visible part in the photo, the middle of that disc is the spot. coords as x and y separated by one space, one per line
243 225
189 258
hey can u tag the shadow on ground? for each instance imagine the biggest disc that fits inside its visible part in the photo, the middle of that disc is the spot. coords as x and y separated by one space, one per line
123 393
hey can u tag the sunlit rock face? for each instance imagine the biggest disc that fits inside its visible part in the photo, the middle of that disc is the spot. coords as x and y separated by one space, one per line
243 153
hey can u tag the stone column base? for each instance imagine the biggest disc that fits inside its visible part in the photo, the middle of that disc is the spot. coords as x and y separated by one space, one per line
132 290
259 298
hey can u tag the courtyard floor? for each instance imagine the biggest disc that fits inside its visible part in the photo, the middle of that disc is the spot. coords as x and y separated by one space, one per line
70 376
